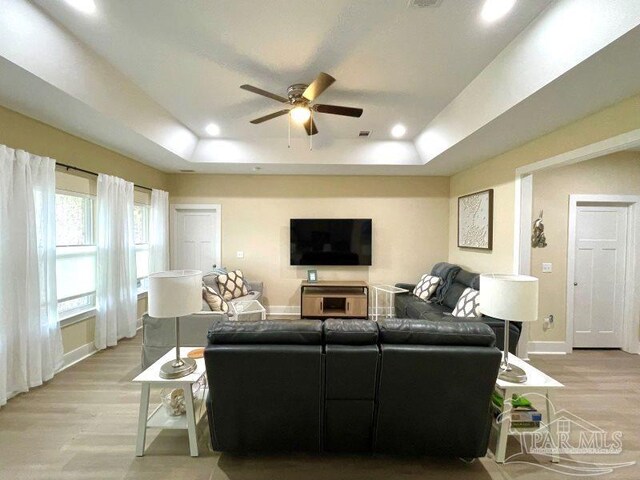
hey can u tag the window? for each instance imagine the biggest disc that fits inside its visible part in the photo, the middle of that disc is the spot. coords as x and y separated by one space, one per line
75 253
141 236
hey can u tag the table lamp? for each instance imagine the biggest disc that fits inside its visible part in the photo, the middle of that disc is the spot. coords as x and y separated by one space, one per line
512 298
174 294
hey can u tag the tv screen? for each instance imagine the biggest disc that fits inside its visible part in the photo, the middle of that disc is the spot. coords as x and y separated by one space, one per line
335 241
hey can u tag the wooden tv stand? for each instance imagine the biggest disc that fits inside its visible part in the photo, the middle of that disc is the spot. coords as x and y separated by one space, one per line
334 299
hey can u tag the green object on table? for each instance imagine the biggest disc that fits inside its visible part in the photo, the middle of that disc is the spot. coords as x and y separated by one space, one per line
516 400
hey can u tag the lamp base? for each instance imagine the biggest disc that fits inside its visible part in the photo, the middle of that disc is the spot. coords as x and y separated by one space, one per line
175 369
512 374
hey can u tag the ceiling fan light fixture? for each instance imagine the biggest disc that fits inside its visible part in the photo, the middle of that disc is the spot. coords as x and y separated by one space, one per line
300 114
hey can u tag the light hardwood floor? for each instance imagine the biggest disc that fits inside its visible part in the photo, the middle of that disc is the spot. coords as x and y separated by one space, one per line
82 425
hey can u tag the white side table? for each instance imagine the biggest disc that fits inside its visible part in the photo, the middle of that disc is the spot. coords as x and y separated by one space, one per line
390 292
537 383
245 310
159 418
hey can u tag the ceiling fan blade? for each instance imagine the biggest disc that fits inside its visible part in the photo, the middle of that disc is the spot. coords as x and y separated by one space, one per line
319 85
264 93
338 110
310 126
270 116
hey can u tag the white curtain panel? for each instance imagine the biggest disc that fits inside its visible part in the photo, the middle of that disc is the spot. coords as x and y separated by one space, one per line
159 232
116 296
30 339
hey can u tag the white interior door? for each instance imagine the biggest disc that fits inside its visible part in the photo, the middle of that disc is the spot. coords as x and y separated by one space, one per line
196 238
599 276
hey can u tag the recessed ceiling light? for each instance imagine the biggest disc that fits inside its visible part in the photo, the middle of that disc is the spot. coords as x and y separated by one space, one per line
495 9
398 131
85 6
212 129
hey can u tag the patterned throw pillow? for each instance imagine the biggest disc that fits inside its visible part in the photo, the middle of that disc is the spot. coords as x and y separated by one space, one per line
427 285
214 300
468 304
232 285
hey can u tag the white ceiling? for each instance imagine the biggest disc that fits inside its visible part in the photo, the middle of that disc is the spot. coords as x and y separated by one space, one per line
135 74
399 64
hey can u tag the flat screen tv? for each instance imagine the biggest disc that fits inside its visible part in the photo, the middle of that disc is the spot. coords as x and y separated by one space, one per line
330 241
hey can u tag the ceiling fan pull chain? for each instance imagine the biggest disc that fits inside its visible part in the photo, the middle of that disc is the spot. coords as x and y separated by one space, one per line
311 125
289 146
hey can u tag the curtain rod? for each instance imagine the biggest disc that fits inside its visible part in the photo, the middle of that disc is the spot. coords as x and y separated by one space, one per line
71 167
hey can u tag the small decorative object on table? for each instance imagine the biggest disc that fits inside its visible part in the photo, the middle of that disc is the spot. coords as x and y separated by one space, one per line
312 276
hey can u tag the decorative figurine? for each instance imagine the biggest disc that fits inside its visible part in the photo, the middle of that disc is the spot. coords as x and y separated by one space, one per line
538 239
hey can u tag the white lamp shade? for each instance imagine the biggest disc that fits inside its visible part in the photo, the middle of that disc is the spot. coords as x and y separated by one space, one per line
509 297
175 293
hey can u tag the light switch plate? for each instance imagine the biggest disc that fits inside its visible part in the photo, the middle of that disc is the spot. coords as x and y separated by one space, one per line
240 254
547 268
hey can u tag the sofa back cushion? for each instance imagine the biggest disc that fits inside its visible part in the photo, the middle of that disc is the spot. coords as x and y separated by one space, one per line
447 272
338 331
278 332
462 280
425 332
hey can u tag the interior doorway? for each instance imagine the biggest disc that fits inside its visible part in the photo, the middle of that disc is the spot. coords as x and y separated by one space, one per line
597 273
195 237
630 323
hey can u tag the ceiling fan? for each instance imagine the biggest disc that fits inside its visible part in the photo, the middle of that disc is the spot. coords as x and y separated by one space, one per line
301 107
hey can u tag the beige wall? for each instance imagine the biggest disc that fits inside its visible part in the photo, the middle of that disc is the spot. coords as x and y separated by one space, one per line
499 173
617 174
409 215
21 132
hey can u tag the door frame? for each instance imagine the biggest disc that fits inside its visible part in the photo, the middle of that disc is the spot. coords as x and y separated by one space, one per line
523 218
176 207
629 320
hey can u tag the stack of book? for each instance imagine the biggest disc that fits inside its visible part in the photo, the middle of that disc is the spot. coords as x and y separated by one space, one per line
523 414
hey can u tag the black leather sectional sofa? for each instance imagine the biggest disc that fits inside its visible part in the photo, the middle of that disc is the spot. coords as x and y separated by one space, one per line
398 386
454 281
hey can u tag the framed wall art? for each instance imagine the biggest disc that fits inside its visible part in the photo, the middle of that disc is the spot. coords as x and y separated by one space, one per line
475 220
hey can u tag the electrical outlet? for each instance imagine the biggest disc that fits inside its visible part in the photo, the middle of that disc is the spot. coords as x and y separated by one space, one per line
240 254
547 267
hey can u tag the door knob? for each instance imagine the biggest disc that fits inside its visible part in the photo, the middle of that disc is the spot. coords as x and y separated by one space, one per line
575 284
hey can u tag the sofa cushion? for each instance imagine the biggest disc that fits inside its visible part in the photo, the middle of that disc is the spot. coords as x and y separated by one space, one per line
211 280
468 304
423 332
339 331
418 308
279 332
232 285
462 280
213 299
435 313
426 287
402 300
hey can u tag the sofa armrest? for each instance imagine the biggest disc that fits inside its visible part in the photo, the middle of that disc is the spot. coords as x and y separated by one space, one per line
255 286
406 286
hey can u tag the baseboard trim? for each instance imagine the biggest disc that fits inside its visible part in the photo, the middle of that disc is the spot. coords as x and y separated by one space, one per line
84 351
77 355
283 310
547 348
